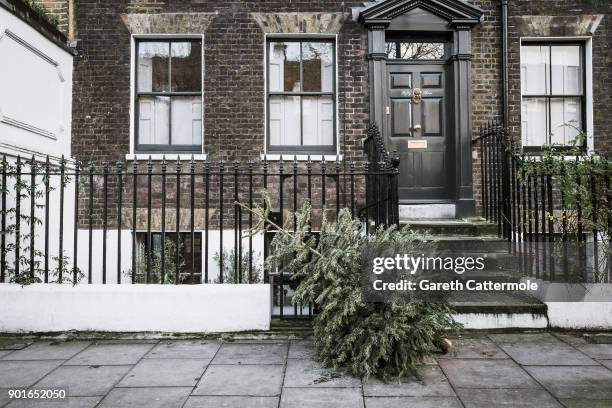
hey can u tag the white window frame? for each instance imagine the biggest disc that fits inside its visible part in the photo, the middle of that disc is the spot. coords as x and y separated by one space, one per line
588 72
272 155
133 66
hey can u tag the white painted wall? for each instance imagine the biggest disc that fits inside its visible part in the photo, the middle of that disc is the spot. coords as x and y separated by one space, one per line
36 91
127 308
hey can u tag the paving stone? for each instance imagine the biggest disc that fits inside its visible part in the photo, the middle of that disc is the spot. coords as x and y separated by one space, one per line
606 363
321 397
586 403
110 354
13 344
25 373
301 349
169 397
252 380
486 374
523 338
575 382
434 384
231 402
598 351
246 353
165 373
71 402
4 398
546 354
412 402
515 398
310 373
84 381
571 338
474 347
48 351
184 349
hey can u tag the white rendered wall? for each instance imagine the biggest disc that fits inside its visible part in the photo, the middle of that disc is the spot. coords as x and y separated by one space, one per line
36 91
128 308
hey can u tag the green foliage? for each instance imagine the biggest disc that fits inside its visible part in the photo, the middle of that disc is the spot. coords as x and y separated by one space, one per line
385 340
581 183
231 275
31 270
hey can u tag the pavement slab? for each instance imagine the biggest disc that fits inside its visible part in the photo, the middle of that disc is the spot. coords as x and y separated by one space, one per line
308 373
71 402
321 397
412 402
301 349
486 374
575 382
84 381
507 398
25 373
586 403
474 347
246 380
522 338
168 397
606 363
231 402
598 351
185 349
534 353
249 353
110 354
165 373
434 384
48 351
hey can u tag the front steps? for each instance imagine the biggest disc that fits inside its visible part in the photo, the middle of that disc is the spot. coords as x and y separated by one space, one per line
483 310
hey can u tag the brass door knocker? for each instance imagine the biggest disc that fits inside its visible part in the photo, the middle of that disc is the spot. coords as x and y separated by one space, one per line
416 95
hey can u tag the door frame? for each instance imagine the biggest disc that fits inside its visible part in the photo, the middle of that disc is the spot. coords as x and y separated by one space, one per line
454 19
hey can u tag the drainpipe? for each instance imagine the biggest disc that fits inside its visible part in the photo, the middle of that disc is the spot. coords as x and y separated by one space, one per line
504 22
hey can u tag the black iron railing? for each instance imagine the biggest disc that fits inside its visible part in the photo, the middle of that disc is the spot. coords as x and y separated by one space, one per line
382 200
554 210
160 222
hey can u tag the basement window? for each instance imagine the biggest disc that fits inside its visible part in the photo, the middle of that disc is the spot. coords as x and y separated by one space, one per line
168 95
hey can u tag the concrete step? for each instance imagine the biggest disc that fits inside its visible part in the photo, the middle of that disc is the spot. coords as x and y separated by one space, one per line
451 227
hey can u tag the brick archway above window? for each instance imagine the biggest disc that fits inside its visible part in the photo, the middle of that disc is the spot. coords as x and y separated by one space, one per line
309 23
168 23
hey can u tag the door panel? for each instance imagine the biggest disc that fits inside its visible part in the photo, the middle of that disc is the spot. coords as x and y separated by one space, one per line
416 127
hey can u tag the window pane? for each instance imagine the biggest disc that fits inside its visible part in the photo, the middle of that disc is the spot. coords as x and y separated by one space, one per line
186 120
565 119
533 126
566 70
318 119
153 123
284 67
284 120
534 70
186 66
153 61
421 50
318 66
391 50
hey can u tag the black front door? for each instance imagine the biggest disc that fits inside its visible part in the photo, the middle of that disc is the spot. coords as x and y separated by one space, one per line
416 127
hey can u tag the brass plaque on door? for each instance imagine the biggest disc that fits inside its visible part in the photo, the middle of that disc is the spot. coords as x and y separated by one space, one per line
417 144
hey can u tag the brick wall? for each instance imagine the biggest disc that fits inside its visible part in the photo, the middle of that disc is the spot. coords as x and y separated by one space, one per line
234 107
58 9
